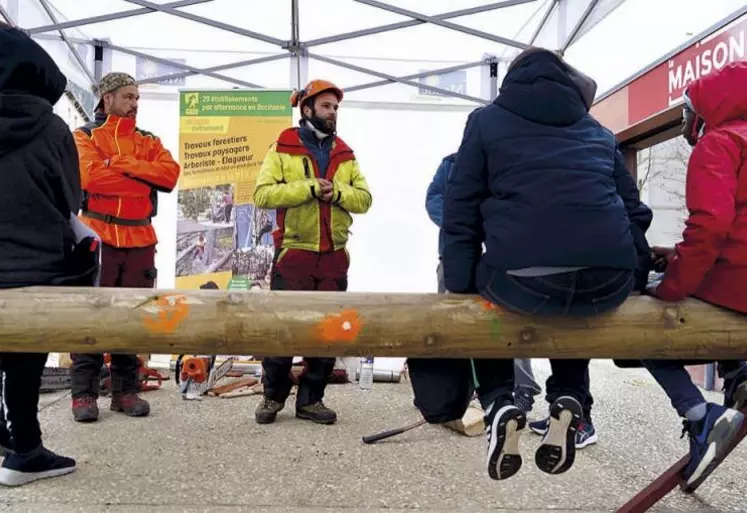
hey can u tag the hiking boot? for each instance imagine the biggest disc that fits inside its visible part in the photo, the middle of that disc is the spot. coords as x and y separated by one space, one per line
735 392
709 439
20 469
557 450
316 412
503 427
85 409
267 411
130 404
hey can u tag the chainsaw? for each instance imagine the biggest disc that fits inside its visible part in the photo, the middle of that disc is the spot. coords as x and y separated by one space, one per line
197 374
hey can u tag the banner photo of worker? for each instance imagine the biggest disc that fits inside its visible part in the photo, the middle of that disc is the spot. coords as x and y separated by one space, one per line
223 241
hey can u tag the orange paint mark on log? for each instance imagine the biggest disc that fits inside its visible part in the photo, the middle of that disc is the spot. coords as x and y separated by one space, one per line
491 307
343 327
170 311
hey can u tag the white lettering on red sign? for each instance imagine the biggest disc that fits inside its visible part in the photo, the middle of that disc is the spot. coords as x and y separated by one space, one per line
704 58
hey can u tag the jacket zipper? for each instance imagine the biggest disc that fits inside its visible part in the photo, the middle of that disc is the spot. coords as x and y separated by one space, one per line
119 199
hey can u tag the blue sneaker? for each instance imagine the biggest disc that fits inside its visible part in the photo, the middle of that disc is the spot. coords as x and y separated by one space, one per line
503 427
20 469
557 451
523 400
586 434
709 438
539 427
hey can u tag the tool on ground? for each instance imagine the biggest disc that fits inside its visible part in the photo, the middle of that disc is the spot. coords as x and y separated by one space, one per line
197 374
393 432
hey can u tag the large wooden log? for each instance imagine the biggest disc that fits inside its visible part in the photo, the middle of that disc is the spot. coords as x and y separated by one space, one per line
350 324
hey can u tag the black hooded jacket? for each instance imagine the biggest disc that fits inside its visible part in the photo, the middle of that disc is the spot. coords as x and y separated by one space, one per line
39 176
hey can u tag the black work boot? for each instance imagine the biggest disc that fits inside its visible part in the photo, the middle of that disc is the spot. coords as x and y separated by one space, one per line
267 411
316 412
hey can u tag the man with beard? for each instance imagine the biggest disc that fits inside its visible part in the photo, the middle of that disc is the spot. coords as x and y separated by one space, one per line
314 181
122 168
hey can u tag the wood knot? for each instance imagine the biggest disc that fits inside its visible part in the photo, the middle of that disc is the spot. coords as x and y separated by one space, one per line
430 340
89 341
528 334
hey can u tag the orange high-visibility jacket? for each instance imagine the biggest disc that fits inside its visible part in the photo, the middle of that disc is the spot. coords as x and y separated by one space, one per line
121 170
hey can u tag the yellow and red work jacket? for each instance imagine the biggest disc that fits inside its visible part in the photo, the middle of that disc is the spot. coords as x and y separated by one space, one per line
288 182
121 170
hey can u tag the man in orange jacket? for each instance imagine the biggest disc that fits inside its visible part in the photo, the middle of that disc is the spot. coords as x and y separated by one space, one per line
122 168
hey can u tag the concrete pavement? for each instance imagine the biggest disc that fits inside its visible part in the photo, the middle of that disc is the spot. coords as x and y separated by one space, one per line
209 455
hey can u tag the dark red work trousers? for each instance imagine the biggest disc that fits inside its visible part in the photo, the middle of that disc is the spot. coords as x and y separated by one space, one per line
303 270
120 267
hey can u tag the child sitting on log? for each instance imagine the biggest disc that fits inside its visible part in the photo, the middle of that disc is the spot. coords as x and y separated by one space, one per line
711 261
545 187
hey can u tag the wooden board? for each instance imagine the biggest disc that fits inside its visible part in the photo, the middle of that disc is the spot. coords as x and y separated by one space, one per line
352 324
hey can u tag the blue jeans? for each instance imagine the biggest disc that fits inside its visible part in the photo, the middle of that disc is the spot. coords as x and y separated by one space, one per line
678 385
585 292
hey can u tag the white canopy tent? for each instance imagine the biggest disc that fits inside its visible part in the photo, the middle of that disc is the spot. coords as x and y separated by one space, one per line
554 24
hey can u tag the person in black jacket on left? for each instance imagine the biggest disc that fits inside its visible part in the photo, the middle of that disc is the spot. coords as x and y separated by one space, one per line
40 195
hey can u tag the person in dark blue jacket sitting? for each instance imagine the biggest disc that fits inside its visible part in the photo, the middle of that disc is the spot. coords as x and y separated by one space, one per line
545 187
525 386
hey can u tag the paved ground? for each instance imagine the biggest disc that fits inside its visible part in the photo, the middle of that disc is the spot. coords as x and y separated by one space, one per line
210 456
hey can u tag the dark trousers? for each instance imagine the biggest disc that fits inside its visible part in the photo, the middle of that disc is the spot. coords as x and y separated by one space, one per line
21 381
581 293
120 267
303 270
678 385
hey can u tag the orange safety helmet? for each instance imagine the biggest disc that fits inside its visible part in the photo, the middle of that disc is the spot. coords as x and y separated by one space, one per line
314 88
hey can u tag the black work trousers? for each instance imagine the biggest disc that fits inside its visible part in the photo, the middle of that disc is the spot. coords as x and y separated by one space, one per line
120 267
21 381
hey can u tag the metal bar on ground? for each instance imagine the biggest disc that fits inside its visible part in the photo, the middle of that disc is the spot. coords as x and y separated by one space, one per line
391 78
446 24
210 23
109 17
179 65
412 23
422 74
78 58
220 67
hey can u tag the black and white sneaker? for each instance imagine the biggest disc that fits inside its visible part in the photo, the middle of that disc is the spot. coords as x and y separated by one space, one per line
20 469
503 427
557 451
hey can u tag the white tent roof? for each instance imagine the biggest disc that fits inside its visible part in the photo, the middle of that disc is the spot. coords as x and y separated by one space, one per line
228 43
